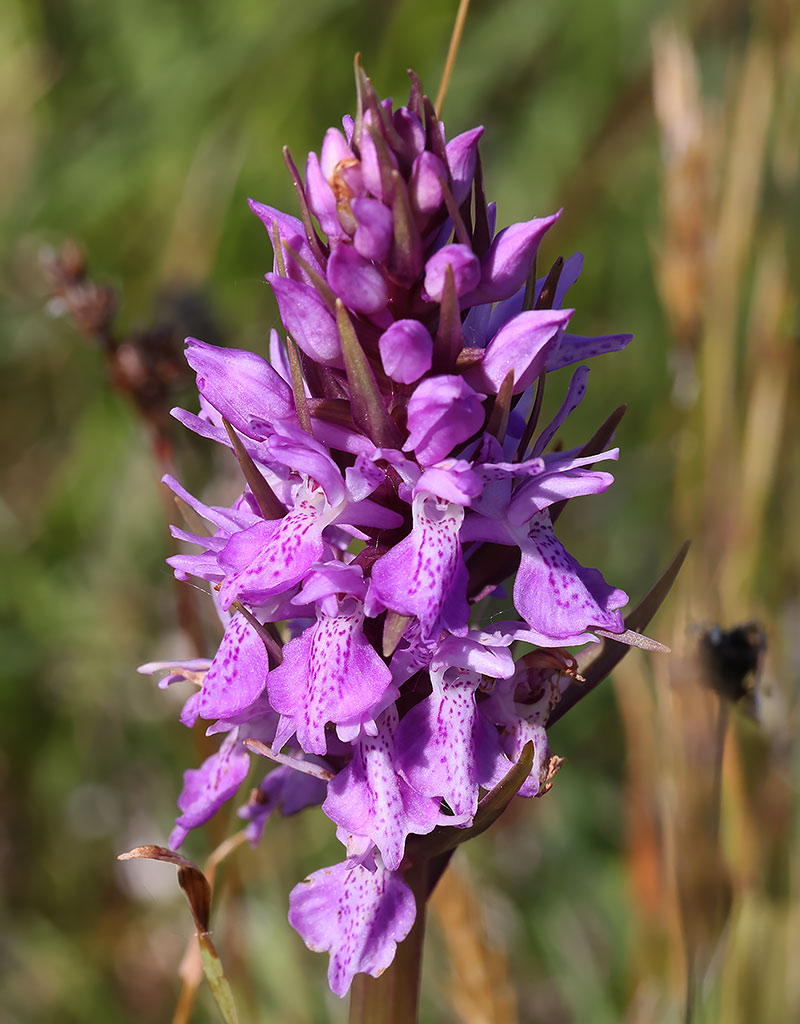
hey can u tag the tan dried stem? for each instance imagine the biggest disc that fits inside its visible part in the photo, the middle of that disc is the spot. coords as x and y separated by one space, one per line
452 53
690 863
479 988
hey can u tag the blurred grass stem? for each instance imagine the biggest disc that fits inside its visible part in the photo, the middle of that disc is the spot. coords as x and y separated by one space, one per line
452 53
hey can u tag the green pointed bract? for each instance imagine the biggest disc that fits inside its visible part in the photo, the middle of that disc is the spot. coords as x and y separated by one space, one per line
415 96
305 214
217 982
268 502
449 336
548 292
277 248
299 392
461 233
433 132
358 120
405 261
369 409
481 235
498 420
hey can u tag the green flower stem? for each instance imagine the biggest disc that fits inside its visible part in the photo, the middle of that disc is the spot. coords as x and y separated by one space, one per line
394 997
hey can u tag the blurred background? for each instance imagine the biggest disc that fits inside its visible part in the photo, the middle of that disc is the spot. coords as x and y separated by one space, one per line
667 849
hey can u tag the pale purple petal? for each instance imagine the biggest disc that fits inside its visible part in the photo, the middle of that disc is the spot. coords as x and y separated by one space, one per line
461 156
371 159
329 579
205 789
242 514
563 475
573 349
329 674
451 480
369 797
299 451
549 488
442 412
369 513
356 915
464 264
445 748
425 187
479 651
362 478
507 264
279 359
357 281
373 237
520 346
334 150
521 706
190 711
559 599
321 198
192 669
424 575
514 740
205 427
238 673
309 321
410 129
273 555
290 232
334 435
284 790
574 397
406 351
241 385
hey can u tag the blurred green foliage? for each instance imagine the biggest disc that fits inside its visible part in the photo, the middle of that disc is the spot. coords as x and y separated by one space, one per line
140 128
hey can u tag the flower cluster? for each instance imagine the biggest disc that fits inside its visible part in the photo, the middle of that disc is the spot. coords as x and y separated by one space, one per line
396 475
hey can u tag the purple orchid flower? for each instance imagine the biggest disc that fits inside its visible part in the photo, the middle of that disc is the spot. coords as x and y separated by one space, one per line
395 474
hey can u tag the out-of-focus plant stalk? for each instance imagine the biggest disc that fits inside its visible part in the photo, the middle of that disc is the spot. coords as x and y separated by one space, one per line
719 820
479 986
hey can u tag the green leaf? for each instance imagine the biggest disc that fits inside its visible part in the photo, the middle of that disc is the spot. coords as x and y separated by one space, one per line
217 982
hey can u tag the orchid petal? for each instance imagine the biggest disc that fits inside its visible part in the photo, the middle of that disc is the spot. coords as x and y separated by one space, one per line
206 789
424 575
370 798
356 915
238 673
330 673
559 599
